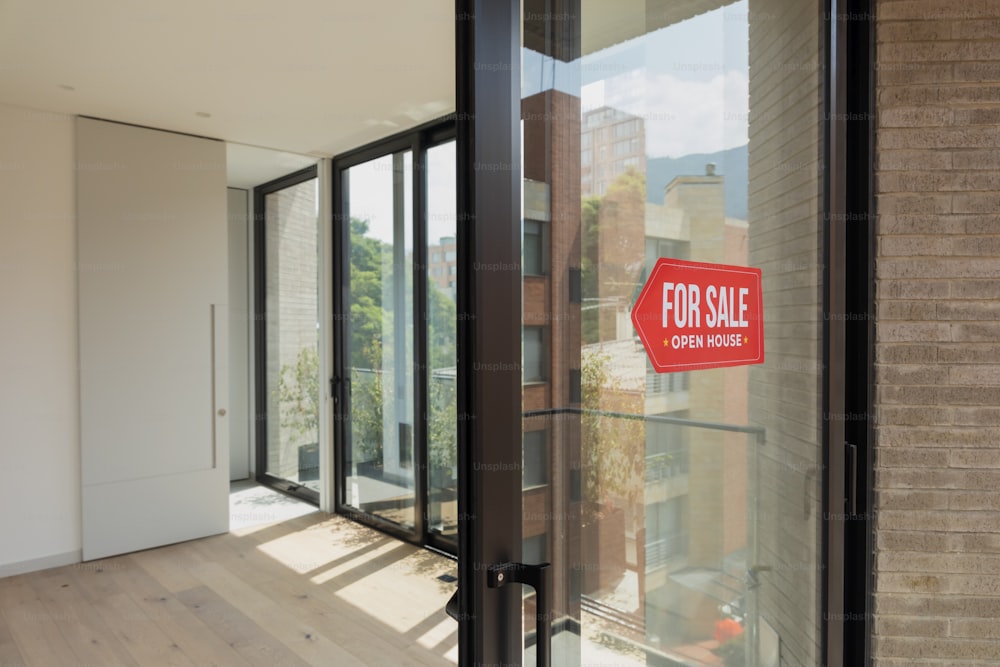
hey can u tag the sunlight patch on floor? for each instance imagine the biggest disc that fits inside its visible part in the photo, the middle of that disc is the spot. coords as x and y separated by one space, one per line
252 507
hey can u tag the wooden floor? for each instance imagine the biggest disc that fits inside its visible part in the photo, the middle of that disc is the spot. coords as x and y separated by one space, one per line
317 590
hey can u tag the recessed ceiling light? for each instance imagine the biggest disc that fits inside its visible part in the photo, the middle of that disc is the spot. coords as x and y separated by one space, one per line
202 114
66 87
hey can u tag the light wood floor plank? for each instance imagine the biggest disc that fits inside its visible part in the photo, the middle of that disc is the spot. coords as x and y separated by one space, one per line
9 653
315 590
34 629
171 565
300 637
177 621
353 629
253 643
92 641
95 580
400 571
139 634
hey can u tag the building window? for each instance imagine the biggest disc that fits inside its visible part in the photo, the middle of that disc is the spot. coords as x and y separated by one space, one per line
534 549
535 356
627 129
534 248
535 459
667 533
667 446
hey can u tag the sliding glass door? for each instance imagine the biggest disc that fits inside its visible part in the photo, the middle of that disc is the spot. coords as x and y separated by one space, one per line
287 337
378 473
655 457
395 340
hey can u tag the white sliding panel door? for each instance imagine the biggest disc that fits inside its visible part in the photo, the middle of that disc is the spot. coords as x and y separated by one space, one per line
152 251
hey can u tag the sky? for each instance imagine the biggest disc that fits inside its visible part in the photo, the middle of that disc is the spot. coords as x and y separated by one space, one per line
688 81
371 195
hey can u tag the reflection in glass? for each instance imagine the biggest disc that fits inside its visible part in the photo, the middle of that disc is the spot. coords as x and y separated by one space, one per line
379 475
674 531
292 345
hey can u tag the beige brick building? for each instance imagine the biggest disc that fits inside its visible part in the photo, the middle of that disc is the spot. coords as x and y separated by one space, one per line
937 579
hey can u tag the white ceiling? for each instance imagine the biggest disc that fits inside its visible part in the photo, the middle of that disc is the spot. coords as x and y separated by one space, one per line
314 77
249 166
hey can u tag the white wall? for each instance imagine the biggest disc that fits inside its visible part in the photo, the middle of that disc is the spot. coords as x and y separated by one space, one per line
39 387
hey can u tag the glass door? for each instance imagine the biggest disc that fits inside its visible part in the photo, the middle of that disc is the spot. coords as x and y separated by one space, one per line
395 384
672 442
663 177
378 475
287 338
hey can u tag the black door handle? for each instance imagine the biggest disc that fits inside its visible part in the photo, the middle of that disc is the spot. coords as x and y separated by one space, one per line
452 608
536 576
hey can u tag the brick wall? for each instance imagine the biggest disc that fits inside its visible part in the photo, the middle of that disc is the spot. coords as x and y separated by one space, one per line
938 335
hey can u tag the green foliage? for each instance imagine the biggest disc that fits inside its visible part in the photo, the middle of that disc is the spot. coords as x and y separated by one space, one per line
442 443
441 320
366 297
298 396
627 193
371 353
366 414
298 383
442 395
589 266
613 447
631 185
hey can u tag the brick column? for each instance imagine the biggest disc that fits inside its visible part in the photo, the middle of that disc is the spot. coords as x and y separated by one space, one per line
938 335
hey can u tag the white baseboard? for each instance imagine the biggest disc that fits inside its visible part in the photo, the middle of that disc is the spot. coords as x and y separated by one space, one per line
55 560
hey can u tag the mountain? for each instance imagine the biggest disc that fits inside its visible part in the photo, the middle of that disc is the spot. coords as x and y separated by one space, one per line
731 163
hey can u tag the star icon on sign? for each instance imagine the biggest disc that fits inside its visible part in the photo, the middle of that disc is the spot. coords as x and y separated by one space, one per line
666 343
746 339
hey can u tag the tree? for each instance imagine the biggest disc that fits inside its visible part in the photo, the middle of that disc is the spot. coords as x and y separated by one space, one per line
372 260
589 267
298 396
367 313
613 448
613 249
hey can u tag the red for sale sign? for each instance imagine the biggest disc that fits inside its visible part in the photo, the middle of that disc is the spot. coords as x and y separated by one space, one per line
694 315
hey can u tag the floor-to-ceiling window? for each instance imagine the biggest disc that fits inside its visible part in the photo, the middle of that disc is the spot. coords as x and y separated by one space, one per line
395 315
287 340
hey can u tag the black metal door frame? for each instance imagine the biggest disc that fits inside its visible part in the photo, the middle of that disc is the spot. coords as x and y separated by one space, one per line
418 141
488 103
260 333
489 306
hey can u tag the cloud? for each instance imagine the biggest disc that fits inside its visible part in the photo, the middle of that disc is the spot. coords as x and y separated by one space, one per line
683 115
